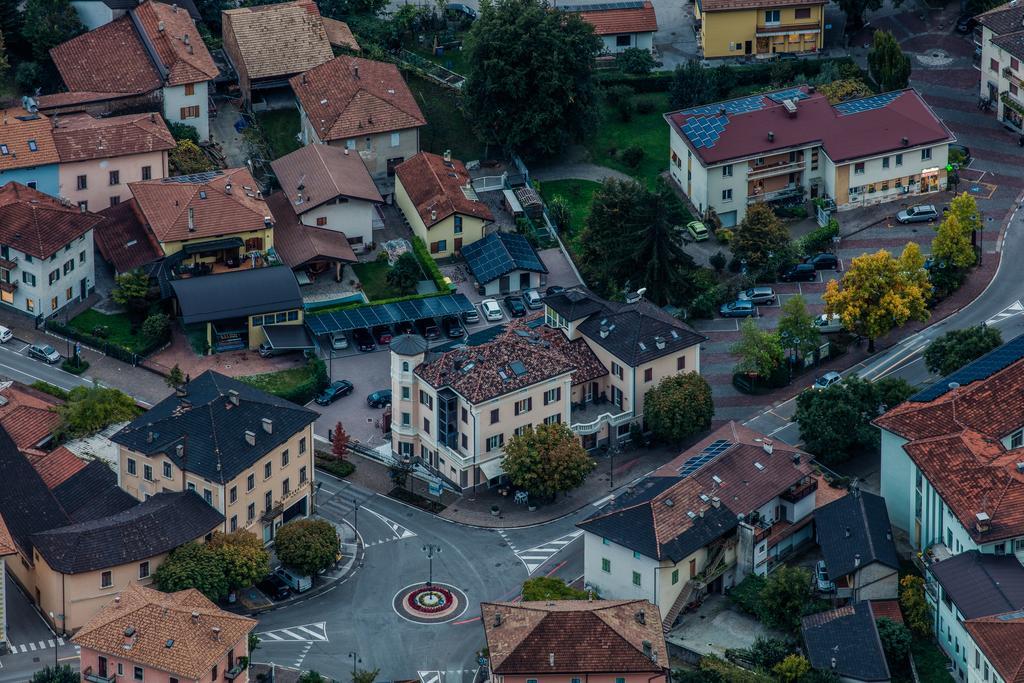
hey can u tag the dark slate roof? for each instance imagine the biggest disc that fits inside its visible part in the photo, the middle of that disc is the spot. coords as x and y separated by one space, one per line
574 304
26 505
1006 18
982 585
852 526
156 526
212 429
982 368
409 345
849 635
237 294
92 492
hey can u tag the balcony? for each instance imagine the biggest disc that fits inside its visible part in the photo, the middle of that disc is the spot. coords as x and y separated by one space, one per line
96 678
800 491
273 512
788 192
9 264
9 287
234 672
775 168
1010 76
591 417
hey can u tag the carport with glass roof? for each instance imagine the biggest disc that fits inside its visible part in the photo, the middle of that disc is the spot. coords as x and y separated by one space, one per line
387 314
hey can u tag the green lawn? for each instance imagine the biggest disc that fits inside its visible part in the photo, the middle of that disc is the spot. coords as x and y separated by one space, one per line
299 384
447 127
578 194
280 126
647 131
453 61
119 329
930 662
373 276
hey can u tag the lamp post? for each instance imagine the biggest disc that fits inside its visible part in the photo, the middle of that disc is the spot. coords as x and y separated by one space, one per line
354 656
430 549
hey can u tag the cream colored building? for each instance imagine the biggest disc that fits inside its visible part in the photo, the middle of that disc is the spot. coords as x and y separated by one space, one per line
588 366
999 35
736 28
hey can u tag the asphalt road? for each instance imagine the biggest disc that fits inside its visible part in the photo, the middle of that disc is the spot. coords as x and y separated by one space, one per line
16 364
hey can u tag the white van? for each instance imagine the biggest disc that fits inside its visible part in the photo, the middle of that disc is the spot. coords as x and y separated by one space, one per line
295 581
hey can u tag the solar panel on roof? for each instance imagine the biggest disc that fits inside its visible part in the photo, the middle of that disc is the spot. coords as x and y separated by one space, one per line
387 314
983 368
1011 616
498 254
867 103
790 94
710 452
604 6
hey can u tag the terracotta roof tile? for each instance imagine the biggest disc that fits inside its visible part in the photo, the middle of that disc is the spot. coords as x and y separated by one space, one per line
17 128
37 224
176 40
324 173
435 187
613 21
109 59
161 618
351 97
889 609
64 99
574 636
123 238
80 136
1007 18
293 28
298 244
340 35
58 466
1000 638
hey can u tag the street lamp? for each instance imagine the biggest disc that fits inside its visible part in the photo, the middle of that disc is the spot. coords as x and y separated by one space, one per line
354 656
430 549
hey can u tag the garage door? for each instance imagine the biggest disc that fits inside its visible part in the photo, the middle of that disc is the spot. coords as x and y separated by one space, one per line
728 219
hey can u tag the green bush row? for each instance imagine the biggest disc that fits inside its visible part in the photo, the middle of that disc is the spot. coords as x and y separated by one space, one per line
339 468
818 240
50 389
429 264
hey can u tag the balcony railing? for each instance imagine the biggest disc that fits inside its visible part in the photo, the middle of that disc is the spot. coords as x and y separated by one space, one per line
594 416
234 672
800 491
766 170
9 287
9 263
96 678
784 193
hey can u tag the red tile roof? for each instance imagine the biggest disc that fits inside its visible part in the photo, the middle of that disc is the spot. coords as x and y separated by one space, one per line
350 97
890 609
36 223
574 636
1000 638
435 187
27 415
58 466
17 128
176 39
340 35
165 204
613 21
109 59
123 238
80 136
844 137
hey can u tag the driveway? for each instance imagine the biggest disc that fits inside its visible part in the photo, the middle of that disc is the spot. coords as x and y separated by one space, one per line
716 626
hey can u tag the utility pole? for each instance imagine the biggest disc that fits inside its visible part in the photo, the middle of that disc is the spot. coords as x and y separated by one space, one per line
431 550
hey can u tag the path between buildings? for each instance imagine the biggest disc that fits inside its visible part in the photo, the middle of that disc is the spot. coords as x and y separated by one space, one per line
577 171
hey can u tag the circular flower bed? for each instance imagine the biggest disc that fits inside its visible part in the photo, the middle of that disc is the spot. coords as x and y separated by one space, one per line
430 600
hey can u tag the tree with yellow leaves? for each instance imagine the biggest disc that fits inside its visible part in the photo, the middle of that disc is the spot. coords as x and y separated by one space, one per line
952 243
879 293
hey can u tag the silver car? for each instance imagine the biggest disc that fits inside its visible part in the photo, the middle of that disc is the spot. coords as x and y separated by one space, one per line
827 324
532 298
922 213
761 296
827 380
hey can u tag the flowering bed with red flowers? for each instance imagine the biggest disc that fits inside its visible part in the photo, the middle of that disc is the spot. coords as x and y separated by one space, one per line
430 600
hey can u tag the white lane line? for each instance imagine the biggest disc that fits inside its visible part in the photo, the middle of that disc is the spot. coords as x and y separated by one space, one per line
293 636
52 644
606 499
270 635
32 646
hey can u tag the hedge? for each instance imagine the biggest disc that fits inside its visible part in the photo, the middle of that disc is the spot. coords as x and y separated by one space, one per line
50 389
105 347
339 468
818 240
428 262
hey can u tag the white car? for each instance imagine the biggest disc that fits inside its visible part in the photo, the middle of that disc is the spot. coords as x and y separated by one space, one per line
827 380
827 324
5 335
492 311
339 341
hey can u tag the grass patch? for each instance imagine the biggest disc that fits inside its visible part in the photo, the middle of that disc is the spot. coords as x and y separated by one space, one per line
299 385
646 131
578 195
448 128
280 127
374 278
118 329
930 662
454 60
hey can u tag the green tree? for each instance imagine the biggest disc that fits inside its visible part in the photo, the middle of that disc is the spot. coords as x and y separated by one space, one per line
835 422
28 76
796 329
678 407
916 611
879 293
855 9
787 592
365 675
90 409
633 60
186 158
557 105
560 213
175 378
48 23
692 85
406 272
55 674
193 565
892 391
759 236
889 67
792 669
183 131
896 639
546 460
956 348
130 288
542 588
760 351
953 240
5 63
767 652
820 676
308 545
156 327
243 557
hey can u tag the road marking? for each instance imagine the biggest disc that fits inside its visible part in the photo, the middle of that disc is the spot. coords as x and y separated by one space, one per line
52 644
312 633
1016 308
429 676
534 557
397 529
606 499
32 646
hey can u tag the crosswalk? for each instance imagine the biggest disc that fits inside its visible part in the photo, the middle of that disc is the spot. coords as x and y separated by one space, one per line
339 506
449 676
307 633
534 557
38 645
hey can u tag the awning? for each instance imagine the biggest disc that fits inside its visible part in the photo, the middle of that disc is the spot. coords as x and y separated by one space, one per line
492 468
388 314
288 337
213 245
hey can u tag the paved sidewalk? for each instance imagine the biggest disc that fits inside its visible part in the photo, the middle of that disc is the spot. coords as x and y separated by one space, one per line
576 171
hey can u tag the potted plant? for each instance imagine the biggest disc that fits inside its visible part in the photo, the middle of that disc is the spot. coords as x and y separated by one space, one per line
495 510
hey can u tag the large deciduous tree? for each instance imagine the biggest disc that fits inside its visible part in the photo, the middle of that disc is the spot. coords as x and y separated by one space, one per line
896 639
692 85
678 407
546 460
759 237
889 67
879 292
796 329
952 243
957 348
308 545
406 272
55 674
786 594
193 565
243 557
48 23
760 351
529 88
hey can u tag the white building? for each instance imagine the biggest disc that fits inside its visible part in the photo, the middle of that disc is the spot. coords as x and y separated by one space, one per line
1000 34
621 25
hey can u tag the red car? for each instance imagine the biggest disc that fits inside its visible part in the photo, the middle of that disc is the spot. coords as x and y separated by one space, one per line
383 334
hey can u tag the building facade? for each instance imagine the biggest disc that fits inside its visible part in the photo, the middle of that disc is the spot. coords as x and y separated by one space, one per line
28 154
622 26
759 27
999 34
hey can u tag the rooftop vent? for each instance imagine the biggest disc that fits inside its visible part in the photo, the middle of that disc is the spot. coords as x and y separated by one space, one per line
160 26
268 425
1020 467
790 106
497 618
355 70
768 445
447 155
659 341
604 331
856 560
169 644
846 532
149 437
771 136
184 38
216 632
250 437
433 215
180 450
195 617
233 397
129 632
551 658
716 502
982 522
641 617
669 502
904 141
227 188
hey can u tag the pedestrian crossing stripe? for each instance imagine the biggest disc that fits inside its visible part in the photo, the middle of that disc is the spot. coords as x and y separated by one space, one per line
397 529
37 645
457 675
1016 308
296 634
429 676
538 555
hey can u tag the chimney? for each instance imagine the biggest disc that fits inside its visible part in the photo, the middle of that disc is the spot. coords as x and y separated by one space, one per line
604 331
768 445
856 560
160 26
268 425
174 8
195 617
355 70
659 342
152 118
180 450
833 662
191 219
716 502
268 221
216 632
433 215
227 188
233 397
117 601
771 136
641 617
982 523
149 437
184 38
551 659
905 141
250 437
846 532
447 155
81 207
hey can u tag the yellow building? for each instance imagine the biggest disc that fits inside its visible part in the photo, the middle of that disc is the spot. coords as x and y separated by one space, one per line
438 201
736 28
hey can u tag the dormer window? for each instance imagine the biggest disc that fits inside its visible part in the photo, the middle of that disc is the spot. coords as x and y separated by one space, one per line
1017 439
4 150
32 146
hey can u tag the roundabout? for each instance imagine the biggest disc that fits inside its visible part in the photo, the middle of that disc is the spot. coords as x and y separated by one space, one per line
430 603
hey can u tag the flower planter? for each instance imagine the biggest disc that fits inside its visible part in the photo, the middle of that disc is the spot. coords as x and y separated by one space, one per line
495 510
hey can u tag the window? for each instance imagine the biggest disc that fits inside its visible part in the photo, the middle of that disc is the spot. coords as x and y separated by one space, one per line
106 580
524 406
926 154
30 305
250 482
33 146
251 512
321 220
802 13
1017 439
147 472
1000 548
681 363
519 431
302 475
426 425
439 246
858 168
28 278
4 150
727 195
406 419
115 177
495 442
190 90
147 172
53 304
350 144
1014 89
552 395
143 569
1014 63
675 576
458 225
605 541
494 415
81 256
636 578
286 487
623 40
268 501
553 419
617 370
302 445
213 673
284 458
137 673
405 393
208 496
885 162
606 565
727 171
167 470
54 275
69 266
993 65
267 469
465 415
396 139
82 182
427 400
131 467
120 671
648 374
232 494
465 442
771 16
899 160
190 112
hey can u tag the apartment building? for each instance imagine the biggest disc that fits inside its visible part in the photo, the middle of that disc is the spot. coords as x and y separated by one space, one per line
588 366
247 453
792 144
1000 33
735 28
28 154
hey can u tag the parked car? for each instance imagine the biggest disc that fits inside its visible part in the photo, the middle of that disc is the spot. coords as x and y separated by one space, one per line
698 231
274 587
339 341
267 351
738 309
824 261
964 151
428 328
462 9
452 327
470 316
922 213
533 299
297 582
44 352
363 340
801 272
759 295
826 324
334 391
5 335
405 328
554 289
491 309
965 24
379 399
516 307
827 380
821 574
382 333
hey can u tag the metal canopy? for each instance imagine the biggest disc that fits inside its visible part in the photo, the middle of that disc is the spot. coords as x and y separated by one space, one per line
388 314
213 245
288 337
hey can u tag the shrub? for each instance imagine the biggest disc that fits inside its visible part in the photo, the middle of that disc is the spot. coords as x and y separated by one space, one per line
339 468
618 93
75 367
635 61
625 108
747 594
50 389
645 106
724 235
156 327
818 240
183 131
718 261
632 156
705 305
429 264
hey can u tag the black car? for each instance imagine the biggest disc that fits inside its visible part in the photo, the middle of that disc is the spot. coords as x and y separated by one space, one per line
379 399
516 307
334 391
363 340
801 272
470 316
274 588
553 289
428 328
966 23
824 261
452 328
